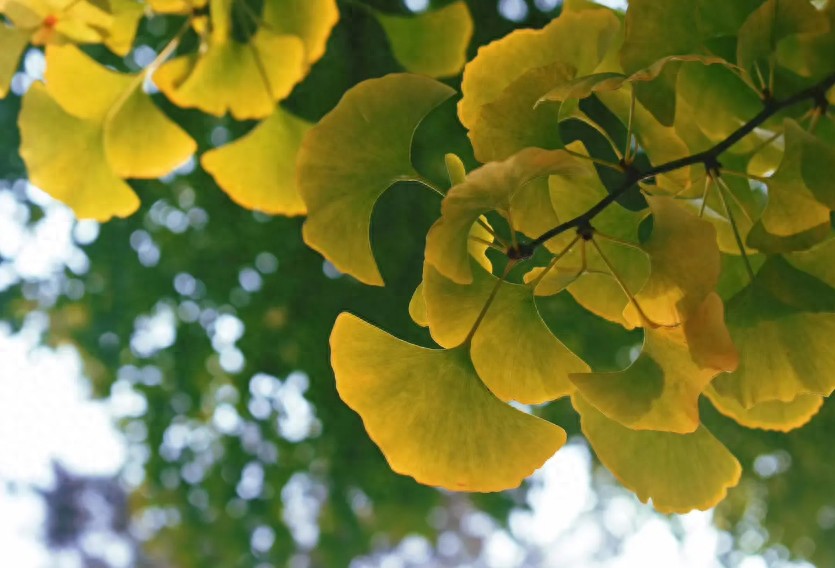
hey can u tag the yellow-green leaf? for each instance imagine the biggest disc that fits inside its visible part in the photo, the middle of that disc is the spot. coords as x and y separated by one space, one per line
490 187
769 415
432 43
513 351
430 414
126 17
781 324
258 171
352 156
579 39
12 44
59 21
176 6
684 264
679 472
310 20
513 121
660 390
417 307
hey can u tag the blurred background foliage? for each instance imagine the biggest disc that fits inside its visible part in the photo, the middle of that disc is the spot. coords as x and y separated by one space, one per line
216 320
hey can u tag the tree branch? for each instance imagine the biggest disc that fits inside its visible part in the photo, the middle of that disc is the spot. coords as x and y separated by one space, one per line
710 158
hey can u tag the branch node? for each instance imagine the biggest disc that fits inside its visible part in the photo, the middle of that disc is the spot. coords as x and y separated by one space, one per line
821 102
585 230
713 166
522 251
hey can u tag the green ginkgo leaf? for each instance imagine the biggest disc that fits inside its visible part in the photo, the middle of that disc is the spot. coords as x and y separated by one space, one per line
433 43
773 21
12 43
579 39
245 79
258 171
488 188
793 207
684 264
770 415
514 121
431 415
660 390
356 152
91 126
513 351
780 323
679 472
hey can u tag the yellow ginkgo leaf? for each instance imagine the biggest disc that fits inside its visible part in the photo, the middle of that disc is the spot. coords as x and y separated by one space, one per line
126 17
781 323
176 6
532 212
684 264
490 187
433 43
514 121
258 171
430 414
417 307
660 390
679 472
792 206
769 415
512 330
565 39
126 134
65 157
59 21
310 20
12 44
355 153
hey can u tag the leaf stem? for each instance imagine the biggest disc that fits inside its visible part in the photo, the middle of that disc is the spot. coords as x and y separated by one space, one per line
598 161
535 282
722 186
709 157
489 301
486 243
627 158
622 284
708 184
745 175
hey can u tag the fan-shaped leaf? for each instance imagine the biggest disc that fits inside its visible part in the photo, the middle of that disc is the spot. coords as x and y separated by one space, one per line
660 390
12 44
59 21
432 43
430 414
684 260
781 324
126 17
310 20
679 472
352 156
770 415
490 187
176 6
258 171
513 351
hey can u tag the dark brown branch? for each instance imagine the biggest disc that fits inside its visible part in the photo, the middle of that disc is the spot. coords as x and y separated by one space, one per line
710 158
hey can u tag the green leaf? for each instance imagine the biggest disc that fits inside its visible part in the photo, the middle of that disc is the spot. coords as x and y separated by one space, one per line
432 43
513 351
767 25
679 472
579 39
514 121
258 171
660 390
781 324
770 415
430 414
684 264
355 153
488 188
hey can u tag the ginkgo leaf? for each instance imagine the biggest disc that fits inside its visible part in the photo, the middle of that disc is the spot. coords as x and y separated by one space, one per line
433 43
513 351
490 187
596 289
258 171
773 21
310 20
684 264
532 212
59 21
128 136
430 414
792 206
65 157
352 156
660 390
513 122
781 323
679 472
126 17
12 44
770 415
176 6
417 307
244 79
579 39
